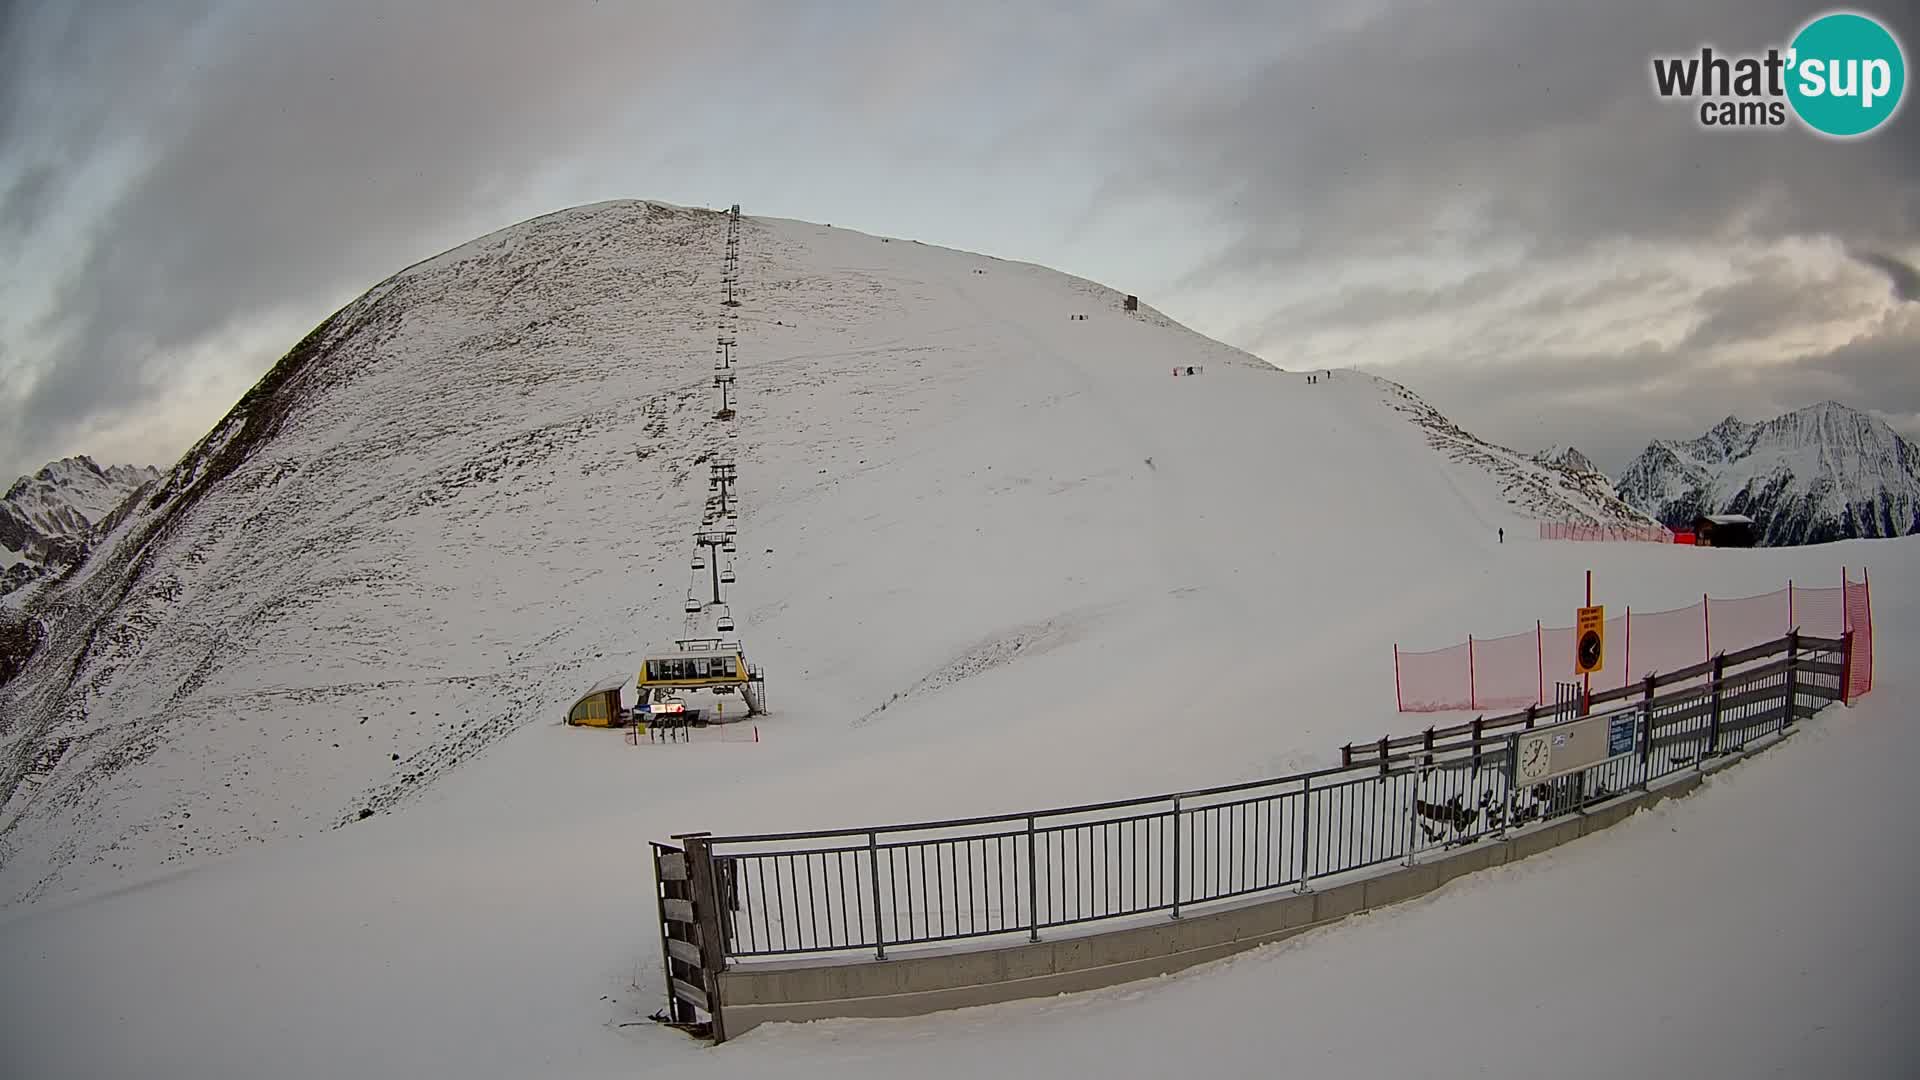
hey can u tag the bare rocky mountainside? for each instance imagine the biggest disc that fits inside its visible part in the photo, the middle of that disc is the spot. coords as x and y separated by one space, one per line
1822 473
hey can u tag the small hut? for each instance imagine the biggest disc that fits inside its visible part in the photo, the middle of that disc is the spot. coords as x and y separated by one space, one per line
600 706
1723 530
1133 303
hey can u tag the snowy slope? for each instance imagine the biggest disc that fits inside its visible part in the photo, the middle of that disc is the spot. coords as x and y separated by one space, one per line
495 927
992 558
46 518
1825 472
1559 486
472 491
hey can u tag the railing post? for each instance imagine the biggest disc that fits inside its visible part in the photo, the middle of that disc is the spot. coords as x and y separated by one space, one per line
1384 754
1346 756
705 892
1033 883
873 866
1713 725
1846 660
1176 856
1479 724
1413 815
1531 709
1646 734
1793 678
1306 800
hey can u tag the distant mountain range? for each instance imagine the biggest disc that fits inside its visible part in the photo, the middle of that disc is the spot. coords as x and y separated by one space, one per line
47 519
1825 472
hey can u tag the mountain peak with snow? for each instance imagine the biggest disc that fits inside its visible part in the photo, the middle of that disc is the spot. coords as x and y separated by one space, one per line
46 519
1823 472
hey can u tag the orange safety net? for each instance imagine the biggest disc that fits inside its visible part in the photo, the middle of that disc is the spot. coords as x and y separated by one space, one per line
1518 670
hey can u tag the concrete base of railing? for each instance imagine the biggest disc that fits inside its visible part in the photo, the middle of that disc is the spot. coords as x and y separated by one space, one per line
914 983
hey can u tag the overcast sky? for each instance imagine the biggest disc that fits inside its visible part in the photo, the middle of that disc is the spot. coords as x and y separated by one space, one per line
1480 198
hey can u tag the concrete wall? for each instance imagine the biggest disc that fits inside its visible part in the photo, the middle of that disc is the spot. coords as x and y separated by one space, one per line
913 984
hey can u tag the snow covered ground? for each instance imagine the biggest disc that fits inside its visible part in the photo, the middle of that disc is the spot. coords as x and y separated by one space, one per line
1065 575
498 927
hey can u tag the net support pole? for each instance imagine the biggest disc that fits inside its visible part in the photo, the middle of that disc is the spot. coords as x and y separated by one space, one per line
1473 688
1706 622
1399 703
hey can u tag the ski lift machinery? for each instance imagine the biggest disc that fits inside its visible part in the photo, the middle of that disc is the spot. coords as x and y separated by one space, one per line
709 664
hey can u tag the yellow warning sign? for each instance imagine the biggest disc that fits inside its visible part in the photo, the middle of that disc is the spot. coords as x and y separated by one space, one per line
1590 640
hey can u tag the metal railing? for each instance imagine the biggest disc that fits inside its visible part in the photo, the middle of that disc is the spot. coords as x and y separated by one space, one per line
883 887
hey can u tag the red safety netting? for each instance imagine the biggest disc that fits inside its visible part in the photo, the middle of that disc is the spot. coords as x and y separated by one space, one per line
1432 681
1859 615
1520 669
1506 671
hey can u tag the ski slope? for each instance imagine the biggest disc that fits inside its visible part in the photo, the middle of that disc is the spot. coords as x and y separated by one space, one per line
473 491
992 558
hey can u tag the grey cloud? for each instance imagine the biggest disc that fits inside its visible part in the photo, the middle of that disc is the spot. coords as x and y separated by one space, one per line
1766 303
1903 276
1610 405
1457 125
298 147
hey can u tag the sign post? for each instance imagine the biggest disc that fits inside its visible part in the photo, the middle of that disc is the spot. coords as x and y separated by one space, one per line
1590 644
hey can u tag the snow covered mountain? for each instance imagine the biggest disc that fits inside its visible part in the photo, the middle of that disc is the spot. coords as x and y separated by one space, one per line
46 518
471 493
1825 472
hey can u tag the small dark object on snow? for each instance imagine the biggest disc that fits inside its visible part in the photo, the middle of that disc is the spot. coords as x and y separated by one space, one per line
366 812
396 757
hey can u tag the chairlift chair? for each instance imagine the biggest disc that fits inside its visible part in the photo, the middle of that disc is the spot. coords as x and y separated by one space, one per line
727 546
725 623
726 576
699 561
693 605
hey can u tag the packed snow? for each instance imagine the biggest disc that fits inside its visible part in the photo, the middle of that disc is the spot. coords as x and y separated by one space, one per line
992 558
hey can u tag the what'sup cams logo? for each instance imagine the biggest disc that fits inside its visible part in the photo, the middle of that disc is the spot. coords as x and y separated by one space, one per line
1843 75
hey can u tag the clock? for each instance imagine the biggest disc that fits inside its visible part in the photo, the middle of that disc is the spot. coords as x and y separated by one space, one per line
1533 757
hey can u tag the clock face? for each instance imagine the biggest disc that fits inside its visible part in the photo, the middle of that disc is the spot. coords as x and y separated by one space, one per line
1534 758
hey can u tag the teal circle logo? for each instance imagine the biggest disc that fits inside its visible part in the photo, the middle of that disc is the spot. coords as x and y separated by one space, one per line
1846 74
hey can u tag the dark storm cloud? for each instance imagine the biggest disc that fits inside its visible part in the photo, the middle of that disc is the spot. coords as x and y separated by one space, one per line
1905 279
